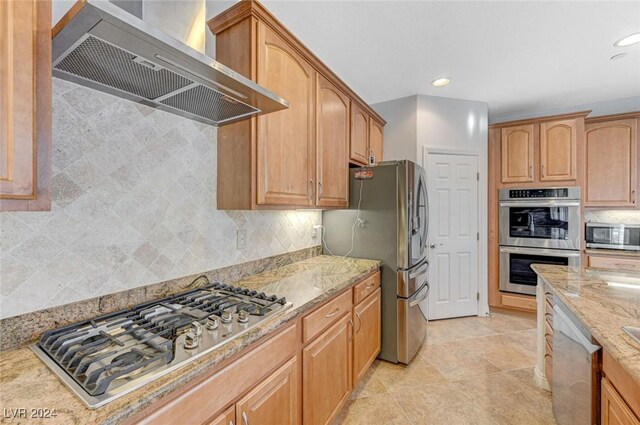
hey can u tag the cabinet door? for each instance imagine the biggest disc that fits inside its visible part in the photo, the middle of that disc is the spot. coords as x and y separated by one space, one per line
285 139
367 333
614 411
517 154
376 132
359 146
274 401
25 104
228 417
611 155
332 143
326 373
558 150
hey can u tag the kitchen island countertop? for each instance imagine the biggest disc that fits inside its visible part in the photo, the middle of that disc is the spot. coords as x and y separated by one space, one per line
603 308
26 383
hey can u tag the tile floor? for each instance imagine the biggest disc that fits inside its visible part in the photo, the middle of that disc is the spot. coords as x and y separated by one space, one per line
473 370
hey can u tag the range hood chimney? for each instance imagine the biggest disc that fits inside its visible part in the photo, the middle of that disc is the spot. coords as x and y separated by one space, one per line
152 52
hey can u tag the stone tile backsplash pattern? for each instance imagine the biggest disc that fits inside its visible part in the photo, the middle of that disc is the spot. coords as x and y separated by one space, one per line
134 203
613 216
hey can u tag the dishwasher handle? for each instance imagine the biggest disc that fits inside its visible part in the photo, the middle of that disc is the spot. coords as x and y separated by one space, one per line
562 323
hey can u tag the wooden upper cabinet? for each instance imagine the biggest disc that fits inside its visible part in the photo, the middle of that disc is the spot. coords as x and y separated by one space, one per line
359 144
376 132
517 153
285 139
295 158
366 340
559 150
274 401
326 373
611 163
332 145
25 105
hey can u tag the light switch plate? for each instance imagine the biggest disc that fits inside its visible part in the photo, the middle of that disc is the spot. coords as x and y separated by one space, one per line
241 239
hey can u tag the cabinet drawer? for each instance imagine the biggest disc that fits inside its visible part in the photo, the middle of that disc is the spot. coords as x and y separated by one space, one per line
214 393
366 287
521 302
614 263
320 319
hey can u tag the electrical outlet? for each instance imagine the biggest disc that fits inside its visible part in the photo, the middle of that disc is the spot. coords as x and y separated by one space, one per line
314 234
241 238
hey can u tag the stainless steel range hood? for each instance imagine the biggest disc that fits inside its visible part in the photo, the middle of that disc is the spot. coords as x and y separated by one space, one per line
101 45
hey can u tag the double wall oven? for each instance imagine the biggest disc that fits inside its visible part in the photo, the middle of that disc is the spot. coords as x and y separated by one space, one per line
537 226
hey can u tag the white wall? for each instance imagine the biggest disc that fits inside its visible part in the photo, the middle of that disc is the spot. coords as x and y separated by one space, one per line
609 107
420 124
400 133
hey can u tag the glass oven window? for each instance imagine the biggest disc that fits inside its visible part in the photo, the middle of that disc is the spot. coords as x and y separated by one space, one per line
539 222
520 271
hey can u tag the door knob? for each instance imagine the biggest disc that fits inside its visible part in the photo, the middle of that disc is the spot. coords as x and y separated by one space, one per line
434 245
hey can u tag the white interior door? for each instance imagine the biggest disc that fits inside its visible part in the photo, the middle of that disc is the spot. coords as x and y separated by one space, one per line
452 185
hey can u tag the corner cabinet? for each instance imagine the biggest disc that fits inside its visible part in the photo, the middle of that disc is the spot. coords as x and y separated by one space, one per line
25 105
298 157
611 150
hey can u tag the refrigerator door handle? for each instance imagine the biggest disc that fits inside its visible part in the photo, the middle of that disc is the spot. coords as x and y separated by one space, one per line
420 296
419 271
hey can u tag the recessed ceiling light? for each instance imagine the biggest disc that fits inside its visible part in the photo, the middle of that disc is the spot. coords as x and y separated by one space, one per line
628 40
440 82
618 56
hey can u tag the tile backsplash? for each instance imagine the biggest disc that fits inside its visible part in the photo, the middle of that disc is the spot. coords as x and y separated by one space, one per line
613 216
134 203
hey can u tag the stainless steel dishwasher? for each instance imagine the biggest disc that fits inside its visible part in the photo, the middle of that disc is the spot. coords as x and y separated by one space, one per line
575 383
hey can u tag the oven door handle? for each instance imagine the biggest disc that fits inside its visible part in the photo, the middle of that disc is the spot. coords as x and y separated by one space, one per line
539 251
539 204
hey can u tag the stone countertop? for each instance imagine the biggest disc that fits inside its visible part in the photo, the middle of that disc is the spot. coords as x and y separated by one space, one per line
602 308
613 252
25 382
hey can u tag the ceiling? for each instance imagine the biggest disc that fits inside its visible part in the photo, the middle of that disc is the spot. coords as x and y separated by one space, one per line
516 56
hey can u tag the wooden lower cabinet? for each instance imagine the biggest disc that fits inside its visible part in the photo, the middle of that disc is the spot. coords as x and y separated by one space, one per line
367 335
613 263
274 401
326 373
228 417
614 411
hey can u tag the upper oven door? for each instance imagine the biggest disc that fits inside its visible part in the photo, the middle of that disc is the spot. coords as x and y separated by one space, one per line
540 224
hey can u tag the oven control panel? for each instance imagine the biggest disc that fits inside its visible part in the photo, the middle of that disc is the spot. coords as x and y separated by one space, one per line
538 193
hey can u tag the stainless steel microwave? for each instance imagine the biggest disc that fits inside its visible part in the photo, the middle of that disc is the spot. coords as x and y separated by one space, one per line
613 236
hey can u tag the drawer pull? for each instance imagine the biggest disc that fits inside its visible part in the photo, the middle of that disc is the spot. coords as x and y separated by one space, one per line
245 418
336 311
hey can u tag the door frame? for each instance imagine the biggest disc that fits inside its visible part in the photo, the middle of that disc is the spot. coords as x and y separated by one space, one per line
483 251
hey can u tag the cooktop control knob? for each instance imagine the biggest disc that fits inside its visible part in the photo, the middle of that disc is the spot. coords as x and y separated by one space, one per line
196 328
226 316
191 341
212 323
243 316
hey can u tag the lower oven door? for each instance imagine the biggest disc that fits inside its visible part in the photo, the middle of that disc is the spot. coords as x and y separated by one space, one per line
516 274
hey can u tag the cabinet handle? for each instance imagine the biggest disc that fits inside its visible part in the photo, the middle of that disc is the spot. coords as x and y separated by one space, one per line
543 171
320 190
313 189
359 323
245 418
336 311
633 196
230 422
530 170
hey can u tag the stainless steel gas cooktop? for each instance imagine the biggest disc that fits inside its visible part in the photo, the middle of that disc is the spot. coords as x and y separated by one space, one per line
104 358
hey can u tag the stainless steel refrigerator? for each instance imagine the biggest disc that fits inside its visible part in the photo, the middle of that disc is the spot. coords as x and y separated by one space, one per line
387 220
